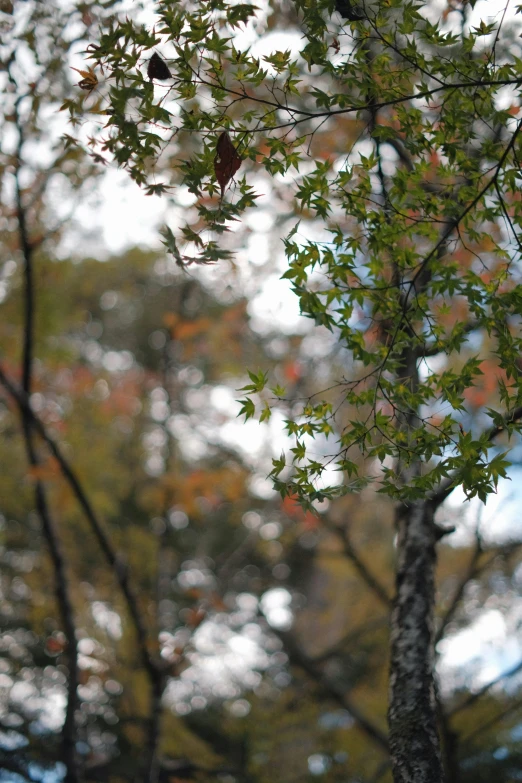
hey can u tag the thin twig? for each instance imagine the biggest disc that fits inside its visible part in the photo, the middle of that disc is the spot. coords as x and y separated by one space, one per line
362 569
350 638
478 695
512 707
471 571
299 658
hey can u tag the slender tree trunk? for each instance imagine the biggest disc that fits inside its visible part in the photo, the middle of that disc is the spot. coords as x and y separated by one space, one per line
61 585
152 761
414 742
65 607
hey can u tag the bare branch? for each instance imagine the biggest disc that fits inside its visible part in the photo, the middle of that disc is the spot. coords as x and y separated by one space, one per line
114 560
350 638
362 569
507 711
475 696
299 658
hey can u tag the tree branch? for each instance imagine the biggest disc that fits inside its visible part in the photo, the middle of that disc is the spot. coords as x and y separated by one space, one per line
475 696
114 560
349 638
299 658
471 571
362 569
492 721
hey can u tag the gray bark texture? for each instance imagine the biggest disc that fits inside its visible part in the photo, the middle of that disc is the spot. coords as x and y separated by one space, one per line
414 742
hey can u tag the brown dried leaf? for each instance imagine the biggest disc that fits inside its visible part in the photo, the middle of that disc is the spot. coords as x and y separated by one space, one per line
158 68
89 81
226 162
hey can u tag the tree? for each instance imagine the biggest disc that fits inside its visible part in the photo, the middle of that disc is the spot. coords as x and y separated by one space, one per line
421 257
162 550
45 36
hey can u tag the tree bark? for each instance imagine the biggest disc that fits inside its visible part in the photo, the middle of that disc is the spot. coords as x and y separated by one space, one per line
414 742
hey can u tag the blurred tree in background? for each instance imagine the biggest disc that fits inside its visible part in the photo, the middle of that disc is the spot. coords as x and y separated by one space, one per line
165 614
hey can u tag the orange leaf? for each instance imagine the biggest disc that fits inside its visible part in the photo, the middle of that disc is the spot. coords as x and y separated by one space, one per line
46 471
86 74
170 320
195 617
217 603
292 371
55 645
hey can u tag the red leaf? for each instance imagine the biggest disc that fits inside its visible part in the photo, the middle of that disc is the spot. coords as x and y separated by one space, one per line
226 162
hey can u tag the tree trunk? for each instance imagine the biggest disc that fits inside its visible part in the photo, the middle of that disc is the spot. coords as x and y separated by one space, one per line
414 742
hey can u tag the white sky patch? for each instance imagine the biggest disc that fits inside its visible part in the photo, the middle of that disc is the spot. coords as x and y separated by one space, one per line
117 216
107 619
222 664
276 605
260 221
487 10
479 654
47 705
257 249
499 519
493 11
432 364
278 41
251 34
276 308
254 438
489 647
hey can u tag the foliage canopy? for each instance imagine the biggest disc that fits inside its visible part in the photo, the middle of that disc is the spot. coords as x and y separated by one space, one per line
417 198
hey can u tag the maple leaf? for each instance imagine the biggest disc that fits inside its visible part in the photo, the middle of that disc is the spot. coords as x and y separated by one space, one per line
226 162
89 80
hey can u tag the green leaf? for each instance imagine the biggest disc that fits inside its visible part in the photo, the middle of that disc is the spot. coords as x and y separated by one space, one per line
248 409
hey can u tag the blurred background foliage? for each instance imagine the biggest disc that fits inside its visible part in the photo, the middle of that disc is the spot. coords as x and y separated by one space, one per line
270 623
